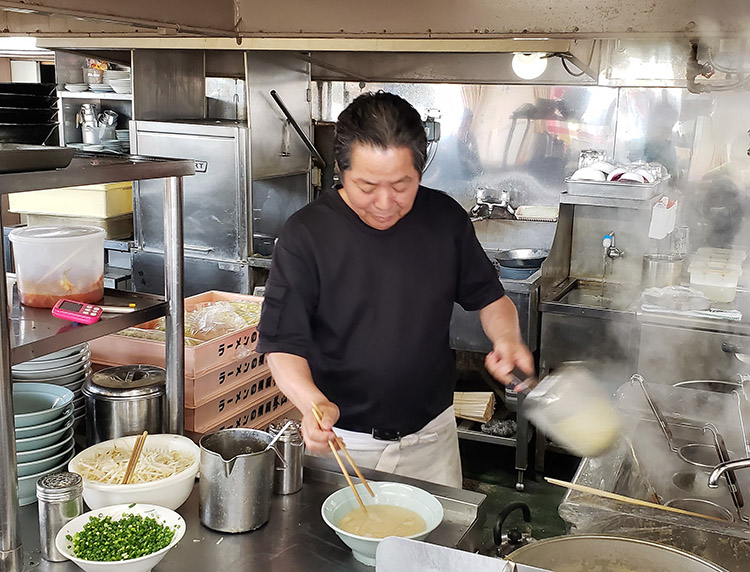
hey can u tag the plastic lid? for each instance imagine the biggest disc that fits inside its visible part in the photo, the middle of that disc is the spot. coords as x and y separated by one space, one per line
126 381
34 233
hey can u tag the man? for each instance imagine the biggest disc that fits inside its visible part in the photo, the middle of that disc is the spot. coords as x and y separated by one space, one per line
359 299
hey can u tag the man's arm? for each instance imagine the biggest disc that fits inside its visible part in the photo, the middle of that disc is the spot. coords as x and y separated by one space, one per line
292 375
500 322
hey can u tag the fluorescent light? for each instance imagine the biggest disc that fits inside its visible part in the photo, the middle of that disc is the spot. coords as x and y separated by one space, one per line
19 43
529 65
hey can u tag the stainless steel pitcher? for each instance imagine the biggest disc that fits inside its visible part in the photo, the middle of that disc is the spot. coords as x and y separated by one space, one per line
236 479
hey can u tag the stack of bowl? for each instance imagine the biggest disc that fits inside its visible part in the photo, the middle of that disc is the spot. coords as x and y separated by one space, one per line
118 79
43 419
123 136
68 368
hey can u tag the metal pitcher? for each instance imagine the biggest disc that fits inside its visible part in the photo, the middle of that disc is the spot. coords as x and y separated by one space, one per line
236 479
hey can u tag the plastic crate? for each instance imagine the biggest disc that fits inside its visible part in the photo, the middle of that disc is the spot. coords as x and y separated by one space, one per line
235 400
199 360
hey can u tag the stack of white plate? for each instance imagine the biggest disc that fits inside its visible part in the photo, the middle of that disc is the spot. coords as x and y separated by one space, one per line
123 136
100 87
44 433
68 368
119 80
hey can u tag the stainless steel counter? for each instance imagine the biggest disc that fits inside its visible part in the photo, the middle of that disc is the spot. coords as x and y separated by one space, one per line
295 538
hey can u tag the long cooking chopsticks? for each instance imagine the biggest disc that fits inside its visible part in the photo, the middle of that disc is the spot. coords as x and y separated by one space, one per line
623 498
340 443
134 454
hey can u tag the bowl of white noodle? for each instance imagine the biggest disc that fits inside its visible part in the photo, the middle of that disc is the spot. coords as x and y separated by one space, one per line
164 474
397 509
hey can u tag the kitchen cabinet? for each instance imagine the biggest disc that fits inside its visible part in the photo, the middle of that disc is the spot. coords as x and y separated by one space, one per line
33 332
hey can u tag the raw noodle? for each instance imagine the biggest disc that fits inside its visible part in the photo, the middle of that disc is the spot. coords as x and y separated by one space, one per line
108 467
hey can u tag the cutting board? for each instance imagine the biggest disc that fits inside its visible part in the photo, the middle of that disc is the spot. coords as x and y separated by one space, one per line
398 554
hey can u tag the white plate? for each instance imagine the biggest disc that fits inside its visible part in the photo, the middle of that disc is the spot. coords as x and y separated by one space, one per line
36 374
77 87
72 349
100 87
65 379
46 364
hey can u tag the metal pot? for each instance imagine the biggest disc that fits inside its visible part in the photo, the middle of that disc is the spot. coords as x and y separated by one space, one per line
125 400
522 257
236 484
661 270
585 553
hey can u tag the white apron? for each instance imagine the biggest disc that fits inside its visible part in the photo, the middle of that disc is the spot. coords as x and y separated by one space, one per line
431 454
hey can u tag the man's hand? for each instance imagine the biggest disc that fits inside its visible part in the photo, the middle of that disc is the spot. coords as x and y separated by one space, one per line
316 438
507 355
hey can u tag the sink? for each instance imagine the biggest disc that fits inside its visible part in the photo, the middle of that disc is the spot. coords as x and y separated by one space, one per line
599 295
645 457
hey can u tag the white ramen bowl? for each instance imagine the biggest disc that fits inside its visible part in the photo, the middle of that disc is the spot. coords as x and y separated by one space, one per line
170 492
396 494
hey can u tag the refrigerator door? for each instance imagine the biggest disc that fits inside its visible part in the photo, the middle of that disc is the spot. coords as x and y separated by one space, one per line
216 198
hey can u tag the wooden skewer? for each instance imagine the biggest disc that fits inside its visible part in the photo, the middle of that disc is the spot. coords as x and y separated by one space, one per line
319 419
135 453
623 498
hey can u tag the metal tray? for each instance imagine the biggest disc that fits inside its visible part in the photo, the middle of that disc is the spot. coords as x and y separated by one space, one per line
16 158
615 189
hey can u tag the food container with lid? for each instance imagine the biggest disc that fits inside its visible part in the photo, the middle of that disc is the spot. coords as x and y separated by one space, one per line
717 280
125 400
54 262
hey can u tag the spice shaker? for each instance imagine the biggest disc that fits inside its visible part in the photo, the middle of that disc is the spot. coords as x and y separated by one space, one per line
60 501
288 479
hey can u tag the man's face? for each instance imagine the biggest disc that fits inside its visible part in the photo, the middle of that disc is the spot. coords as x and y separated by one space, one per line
381 184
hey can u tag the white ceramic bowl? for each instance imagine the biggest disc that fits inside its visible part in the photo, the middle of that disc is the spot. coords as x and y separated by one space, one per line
79 374
588 174
171 492
142 564
41 373
36 365
397 494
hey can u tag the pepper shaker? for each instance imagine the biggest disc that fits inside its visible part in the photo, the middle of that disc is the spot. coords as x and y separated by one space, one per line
288 479
60 501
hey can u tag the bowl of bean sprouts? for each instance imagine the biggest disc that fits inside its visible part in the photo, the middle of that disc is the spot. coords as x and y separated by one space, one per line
164 474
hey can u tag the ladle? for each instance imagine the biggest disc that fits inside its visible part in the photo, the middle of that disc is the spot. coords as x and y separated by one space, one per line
276 438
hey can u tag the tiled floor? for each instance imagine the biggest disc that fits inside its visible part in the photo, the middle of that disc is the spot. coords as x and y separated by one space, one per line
489 469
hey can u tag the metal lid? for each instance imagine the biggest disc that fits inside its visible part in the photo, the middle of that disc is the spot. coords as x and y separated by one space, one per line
59 486
126 381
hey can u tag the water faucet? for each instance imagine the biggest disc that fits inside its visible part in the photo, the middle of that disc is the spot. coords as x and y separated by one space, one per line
487 203
721 468
608 242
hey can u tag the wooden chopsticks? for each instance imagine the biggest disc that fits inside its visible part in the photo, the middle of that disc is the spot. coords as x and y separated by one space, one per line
340 443
135 453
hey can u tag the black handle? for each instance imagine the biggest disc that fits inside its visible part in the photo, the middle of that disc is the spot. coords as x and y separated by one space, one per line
497 531
734 489
298 129
733 349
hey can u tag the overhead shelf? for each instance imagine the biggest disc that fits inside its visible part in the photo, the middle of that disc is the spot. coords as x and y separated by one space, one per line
95 168
36 332
88 95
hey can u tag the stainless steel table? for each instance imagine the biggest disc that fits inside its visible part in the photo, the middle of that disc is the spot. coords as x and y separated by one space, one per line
294 539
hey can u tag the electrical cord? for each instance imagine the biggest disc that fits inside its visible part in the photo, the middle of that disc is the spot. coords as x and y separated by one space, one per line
565 58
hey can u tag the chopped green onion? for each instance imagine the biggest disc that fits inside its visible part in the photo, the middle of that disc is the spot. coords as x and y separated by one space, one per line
131 536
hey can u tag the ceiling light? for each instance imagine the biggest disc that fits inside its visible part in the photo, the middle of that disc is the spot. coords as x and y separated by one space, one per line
529 65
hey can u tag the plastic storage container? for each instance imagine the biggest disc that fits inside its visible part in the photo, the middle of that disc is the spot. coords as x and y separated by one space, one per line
717 280
54 262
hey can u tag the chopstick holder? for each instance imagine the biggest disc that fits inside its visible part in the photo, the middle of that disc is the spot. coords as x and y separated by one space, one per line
340 443
134 455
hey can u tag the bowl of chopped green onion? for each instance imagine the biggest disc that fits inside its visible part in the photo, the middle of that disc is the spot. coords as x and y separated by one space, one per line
121 538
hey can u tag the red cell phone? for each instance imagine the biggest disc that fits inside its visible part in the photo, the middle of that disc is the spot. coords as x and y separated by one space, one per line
76 311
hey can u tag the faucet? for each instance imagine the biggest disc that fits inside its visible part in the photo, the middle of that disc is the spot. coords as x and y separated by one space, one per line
608 242
488 203
721 468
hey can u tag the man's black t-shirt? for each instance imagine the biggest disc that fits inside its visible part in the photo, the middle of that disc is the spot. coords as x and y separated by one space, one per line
370 309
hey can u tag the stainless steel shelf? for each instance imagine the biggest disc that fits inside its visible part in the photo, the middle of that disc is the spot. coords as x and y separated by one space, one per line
95 168
582 200
94 95
465 431
36 332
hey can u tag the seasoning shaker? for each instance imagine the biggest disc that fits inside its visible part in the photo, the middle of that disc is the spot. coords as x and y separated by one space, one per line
60 501
288 479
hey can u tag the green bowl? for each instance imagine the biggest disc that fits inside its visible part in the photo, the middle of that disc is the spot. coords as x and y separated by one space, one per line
44 428
36 403
40 441
44 452
27 485
41 465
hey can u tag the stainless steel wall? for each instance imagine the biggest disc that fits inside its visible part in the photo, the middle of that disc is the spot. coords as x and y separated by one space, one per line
527 139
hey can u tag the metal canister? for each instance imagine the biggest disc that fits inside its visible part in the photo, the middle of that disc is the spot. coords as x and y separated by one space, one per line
287 475
60 501
125 400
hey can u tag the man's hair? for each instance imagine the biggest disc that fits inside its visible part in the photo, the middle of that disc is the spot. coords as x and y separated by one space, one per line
382 120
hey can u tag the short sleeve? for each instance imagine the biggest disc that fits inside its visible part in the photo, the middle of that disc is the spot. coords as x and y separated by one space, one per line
478 284
289 302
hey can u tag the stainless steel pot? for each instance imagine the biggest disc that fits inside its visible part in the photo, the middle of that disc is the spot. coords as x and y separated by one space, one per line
608 553
125 400
661 270
236 484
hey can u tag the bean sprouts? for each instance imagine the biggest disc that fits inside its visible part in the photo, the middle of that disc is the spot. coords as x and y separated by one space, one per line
154 464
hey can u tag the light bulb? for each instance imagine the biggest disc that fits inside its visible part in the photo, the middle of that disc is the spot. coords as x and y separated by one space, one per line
529 65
